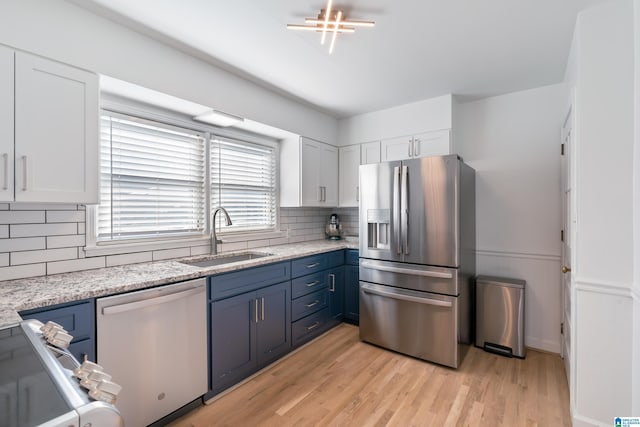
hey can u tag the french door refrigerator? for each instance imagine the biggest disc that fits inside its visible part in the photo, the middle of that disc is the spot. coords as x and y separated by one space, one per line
417 256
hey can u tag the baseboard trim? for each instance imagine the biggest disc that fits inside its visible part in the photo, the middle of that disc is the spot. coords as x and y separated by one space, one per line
522 255
543 345
582 421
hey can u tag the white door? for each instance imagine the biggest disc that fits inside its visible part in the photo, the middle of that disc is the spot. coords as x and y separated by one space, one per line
329 175
6 123
56 132
396 149
310 158
567 228
436 143
370 153
349 158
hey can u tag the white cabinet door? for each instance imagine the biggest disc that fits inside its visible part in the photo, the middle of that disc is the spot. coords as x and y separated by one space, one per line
349 158
6 123
370 153
329 175
310 159
56 132
396 149
436 143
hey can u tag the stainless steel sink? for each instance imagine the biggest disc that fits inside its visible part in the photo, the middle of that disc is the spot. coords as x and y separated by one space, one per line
225 259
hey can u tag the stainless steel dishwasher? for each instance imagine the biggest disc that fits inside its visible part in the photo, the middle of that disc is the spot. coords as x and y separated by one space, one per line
154 343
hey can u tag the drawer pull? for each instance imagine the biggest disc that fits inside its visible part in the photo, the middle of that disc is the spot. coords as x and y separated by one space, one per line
312 283
314 265
316 302
315 325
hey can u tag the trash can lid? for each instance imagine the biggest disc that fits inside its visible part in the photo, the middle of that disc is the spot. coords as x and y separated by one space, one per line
503 281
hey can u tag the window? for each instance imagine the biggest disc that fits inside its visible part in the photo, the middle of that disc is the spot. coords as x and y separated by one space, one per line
243 181
152 180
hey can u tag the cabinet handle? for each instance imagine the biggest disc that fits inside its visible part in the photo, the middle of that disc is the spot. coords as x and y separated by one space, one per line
410 148
314 265
316 302
256 306
312 283
323 194
262 308
416 147
315 325
357 193
333 282
5 157
24 173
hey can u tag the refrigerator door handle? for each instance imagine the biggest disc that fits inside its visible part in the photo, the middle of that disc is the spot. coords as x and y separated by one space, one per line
396 208
390 269
404 202
396 295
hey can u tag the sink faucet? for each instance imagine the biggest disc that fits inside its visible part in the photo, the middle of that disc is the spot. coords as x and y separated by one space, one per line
214 239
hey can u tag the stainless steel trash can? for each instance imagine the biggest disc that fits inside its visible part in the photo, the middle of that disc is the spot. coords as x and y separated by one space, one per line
500 315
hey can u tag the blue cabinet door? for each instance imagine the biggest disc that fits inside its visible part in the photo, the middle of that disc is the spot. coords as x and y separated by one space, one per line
352 294
336 295
273 331
233 340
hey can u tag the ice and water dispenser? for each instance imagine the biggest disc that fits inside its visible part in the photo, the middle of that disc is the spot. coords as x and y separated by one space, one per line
378 228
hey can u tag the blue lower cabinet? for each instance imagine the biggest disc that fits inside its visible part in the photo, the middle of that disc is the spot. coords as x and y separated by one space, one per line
309 327
352 294
77 318
336 295
248 331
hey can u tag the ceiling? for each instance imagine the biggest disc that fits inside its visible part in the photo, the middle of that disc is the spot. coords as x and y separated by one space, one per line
418 49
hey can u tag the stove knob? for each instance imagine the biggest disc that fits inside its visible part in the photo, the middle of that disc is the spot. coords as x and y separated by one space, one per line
85 369
50 325
93 379
60 339
106 391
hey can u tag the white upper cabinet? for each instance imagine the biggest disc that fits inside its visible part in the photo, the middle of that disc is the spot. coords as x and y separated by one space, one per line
6 123
349 164
370 153
56 132
436 143
308 173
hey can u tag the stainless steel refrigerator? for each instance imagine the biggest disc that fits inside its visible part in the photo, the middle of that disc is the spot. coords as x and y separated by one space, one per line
417 256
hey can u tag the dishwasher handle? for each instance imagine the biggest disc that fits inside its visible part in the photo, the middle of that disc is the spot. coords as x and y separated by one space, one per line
137 305
409 298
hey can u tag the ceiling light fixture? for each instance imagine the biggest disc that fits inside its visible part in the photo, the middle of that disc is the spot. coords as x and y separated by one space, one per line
218 118
330 21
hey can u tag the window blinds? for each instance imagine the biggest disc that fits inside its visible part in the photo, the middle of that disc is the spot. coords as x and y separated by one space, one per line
152 180
243 181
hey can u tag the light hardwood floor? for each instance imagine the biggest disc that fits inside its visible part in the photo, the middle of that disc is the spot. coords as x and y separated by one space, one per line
339 380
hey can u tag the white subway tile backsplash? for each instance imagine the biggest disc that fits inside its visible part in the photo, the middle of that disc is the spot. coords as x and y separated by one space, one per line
171 253
234 246
41 207
278 241
258 243
81 228
4 206
75 265
65 216
22 271
22 244
29 230
33 257
21 217
73 240
4 231
200 250
4 260
113 260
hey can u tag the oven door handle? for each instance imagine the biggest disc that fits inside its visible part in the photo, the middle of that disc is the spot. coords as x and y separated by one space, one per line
436 274
137 305
394 295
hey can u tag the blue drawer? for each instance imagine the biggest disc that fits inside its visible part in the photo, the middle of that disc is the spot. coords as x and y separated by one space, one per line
352 257
309 283
77 318
313 263
309 327
309 304
238 282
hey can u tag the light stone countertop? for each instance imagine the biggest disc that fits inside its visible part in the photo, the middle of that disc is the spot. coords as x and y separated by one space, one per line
36 292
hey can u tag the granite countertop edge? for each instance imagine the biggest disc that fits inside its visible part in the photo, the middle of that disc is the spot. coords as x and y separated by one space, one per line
37 292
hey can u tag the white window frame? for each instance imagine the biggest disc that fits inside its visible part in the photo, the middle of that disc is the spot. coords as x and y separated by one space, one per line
93 247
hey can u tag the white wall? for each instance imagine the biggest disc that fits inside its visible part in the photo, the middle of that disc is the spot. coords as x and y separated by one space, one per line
408 119
68 33
636 210
513 143
602 73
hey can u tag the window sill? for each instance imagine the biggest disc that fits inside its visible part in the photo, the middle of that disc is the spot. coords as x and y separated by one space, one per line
245 237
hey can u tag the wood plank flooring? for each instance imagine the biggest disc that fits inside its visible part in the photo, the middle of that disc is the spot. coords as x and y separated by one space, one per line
338 380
